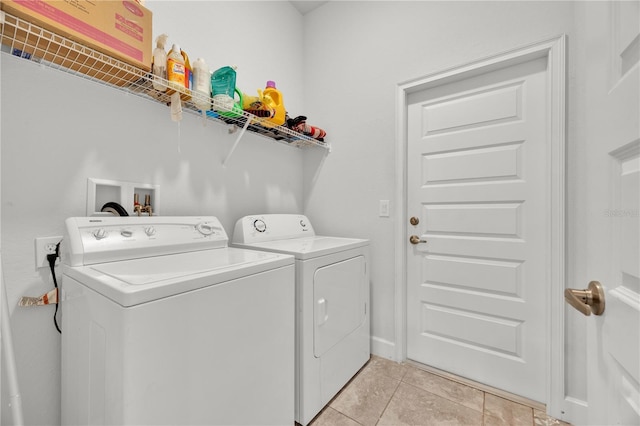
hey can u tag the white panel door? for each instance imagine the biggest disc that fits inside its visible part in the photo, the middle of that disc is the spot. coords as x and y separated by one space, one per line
478 182
612 139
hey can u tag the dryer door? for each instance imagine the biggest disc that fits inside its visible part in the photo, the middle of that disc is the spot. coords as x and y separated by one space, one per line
339 308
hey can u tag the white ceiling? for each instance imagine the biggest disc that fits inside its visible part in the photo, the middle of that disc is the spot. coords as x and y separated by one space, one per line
307 6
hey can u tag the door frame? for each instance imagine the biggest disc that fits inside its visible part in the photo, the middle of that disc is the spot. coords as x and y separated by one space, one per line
555 51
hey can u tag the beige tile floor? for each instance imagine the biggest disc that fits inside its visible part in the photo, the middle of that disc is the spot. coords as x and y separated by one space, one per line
387 393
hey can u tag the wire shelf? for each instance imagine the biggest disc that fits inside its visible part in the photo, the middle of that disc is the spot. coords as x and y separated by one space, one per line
33 43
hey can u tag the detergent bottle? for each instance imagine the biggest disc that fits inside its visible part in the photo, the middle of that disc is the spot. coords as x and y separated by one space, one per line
223 87
201 85
273 98
188 71
175 69
160 64
256 106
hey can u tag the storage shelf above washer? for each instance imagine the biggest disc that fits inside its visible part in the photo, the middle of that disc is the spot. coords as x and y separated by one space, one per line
34 43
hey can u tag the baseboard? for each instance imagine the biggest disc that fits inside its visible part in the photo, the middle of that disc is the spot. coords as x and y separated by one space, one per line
383 348
573 410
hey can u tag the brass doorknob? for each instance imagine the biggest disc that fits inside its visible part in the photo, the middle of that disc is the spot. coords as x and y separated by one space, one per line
587 301
414 239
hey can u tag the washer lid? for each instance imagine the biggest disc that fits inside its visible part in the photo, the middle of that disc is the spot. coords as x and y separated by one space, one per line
136 281
308 248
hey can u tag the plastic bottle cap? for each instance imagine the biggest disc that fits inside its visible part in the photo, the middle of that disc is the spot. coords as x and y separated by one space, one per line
176 47
161 40
271 84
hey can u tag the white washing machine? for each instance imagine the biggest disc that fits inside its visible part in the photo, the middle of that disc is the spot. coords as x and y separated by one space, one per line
332 303
163 323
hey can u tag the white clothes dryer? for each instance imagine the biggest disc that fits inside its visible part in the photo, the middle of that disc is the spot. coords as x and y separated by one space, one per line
332 303
163 323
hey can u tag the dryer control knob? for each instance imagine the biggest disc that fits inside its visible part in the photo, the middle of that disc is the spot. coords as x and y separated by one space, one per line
150 231
259 225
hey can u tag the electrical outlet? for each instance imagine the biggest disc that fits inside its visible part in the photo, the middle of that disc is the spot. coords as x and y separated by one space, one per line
45 246
383 208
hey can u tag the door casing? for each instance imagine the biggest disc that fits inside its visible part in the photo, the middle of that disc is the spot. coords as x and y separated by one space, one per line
558 405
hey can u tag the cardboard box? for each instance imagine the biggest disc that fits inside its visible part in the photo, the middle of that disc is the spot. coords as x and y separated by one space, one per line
118 28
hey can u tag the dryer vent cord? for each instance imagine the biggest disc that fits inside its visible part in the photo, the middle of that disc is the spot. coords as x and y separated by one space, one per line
51 258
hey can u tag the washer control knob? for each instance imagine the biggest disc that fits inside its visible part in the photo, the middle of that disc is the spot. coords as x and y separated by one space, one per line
126 233
100 233
150 231
205 228
303 223
259 225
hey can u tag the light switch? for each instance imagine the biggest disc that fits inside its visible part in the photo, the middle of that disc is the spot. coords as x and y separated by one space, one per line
384 208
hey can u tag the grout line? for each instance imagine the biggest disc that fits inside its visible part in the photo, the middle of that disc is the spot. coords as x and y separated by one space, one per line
347 416
481 387
481 411
388 402
406 365
484 405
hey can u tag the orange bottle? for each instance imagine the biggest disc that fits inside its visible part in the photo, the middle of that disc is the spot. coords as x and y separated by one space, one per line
175 68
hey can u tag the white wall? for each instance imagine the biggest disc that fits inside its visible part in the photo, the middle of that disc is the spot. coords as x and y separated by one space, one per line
357 54
356 65
59 130
262 38
339 65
